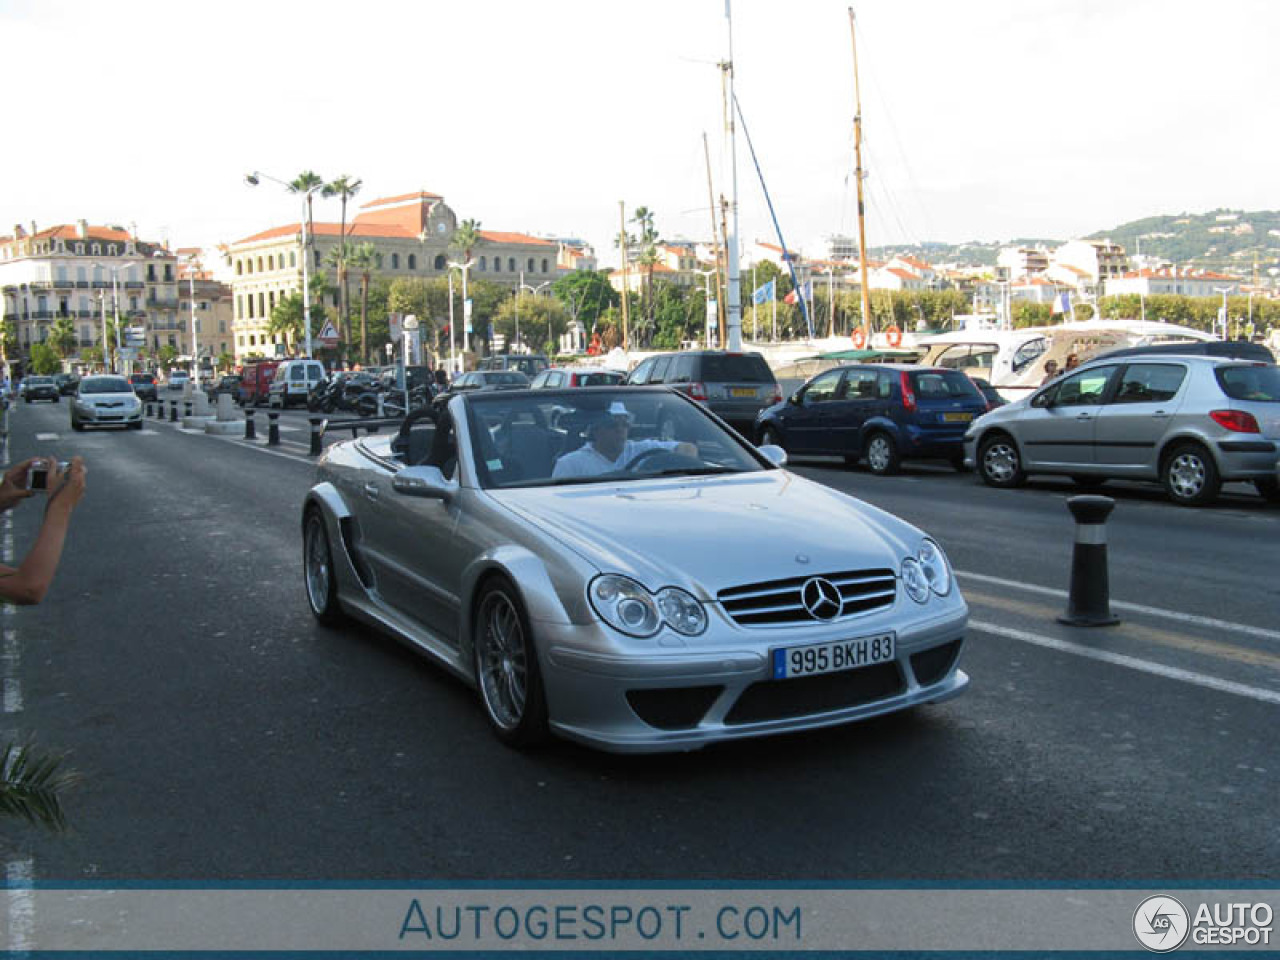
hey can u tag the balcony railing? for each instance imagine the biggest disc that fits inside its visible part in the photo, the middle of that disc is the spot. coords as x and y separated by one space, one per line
159 303
41 314
134 284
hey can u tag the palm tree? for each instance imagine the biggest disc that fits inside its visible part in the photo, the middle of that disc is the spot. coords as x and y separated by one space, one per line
306 183
30 786
364 257
648 256
345 187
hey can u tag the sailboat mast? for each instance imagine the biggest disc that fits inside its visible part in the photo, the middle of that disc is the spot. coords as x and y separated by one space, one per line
857 173
626 279
715 242
734 319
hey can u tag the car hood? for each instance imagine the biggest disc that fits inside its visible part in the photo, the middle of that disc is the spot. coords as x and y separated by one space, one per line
707 534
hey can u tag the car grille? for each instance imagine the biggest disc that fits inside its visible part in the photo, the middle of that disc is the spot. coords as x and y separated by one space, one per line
780 601
806 696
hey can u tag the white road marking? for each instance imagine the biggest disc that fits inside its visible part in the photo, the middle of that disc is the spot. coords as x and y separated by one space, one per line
48 436
1190 618
1133 663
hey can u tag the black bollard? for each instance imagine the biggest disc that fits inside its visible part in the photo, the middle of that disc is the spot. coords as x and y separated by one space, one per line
186 408
173 411
273 429
317 430
149 413
249 432
1089 603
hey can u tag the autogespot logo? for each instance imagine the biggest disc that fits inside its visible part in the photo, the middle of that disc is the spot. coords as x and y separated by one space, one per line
1160 923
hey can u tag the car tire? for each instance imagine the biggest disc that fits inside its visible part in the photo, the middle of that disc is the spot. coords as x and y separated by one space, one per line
882 454
506 667
1269 489
317 570
76 425
1190 475
957 463
57 398
770 436
999 463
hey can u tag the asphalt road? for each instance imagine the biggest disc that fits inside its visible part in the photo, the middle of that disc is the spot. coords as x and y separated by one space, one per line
223 735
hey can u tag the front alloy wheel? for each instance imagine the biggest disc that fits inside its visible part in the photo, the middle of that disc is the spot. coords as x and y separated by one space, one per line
507 668
317 568
999 462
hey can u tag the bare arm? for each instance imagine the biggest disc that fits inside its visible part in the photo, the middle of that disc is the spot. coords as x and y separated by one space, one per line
30 582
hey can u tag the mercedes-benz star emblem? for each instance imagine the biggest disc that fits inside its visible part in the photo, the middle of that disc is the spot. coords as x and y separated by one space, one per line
821 598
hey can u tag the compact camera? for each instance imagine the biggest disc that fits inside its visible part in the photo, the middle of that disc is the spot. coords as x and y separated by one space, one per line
38 474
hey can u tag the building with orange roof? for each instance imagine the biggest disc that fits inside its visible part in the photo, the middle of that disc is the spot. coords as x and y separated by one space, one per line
411 234
82 272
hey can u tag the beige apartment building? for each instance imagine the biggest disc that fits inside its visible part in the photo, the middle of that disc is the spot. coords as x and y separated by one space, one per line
86 272
411 234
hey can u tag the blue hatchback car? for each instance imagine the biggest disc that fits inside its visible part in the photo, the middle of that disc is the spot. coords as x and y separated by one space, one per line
878 412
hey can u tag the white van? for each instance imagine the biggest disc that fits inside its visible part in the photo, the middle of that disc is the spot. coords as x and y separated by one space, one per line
294 379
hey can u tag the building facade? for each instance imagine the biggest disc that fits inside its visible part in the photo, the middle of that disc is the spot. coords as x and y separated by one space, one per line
91 275
412 236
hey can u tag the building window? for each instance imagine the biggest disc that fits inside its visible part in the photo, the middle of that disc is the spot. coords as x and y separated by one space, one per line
511 264
239 268
293 258
482 264
440 264
79 249
111 250
530 266
96 250
413 262
395 261
544 264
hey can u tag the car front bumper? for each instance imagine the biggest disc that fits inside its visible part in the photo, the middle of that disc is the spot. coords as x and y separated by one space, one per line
684 701
99 417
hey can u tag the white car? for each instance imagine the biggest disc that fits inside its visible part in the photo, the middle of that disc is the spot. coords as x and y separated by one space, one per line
106 401
293 382
179 379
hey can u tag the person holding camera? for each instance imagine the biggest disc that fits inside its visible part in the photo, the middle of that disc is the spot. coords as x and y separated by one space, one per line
63 486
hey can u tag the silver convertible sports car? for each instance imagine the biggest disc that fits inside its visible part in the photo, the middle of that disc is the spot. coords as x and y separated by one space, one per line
617 567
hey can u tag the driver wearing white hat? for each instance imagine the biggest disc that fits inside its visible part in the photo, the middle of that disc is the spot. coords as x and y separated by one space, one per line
610 450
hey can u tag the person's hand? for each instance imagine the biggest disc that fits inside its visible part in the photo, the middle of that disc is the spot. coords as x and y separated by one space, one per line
14 485
688 449
66 487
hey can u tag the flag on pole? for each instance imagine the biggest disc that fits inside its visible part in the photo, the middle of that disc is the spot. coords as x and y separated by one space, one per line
765 292
804 290
1061 303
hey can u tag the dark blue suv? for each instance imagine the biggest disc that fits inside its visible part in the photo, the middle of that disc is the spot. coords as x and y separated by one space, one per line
885 414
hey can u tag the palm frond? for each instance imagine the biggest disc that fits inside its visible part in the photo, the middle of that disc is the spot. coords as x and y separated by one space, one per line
31 785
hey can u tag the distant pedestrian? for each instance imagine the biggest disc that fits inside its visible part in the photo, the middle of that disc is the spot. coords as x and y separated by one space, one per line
1073 361
1050 371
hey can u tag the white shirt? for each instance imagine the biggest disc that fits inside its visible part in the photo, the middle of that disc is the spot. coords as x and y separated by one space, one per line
587 461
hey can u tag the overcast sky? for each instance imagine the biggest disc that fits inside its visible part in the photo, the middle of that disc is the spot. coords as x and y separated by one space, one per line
983 120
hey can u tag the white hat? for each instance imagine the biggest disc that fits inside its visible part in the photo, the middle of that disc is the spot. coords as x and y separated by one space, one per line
616 409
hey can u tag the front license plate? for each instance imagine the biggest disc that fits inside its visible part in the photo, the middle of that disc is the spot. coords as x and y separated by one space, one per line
791 662
957 417
742 392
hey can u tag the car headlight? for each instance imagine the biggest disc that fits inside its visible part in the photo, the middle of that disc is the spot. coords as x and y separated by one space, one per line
927 572
629 608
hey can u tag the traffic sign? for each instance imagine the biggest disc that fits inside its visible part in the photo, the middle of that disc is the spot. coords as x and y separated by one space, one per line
329 333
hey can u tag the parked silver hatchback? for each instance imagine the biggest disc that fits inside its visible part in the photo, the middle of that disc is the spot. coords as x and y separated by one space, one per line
1188 422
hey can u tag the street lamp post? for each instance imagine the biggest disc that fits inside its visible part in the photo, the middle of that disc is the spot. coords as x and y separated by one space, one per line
466 302
253 180
712 309
1222 315
192 263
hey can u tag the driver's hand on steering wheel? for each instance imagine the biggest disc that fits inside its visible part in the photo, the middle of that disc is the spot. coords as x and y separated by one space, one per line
687 449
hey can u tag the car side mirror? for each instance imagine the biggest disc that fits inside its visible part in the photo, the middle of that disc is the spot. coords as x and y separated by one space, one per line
774 454
1043 399
426 482
796 399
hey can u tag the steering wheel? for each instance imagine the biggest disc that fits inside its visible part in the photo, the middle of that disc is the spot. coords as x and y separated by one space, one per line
669 458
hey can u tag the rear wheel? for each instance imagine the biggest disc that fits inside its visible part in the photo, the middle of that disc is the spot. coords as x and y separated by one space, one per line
506 664
317 568
999 463
1190 476
882 454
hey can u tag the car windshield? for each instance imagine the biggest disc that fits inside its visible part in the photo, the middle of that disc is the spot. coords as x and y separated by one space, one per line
142 378
39 381
506 378
599 379
598 435
105 385
1255 382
